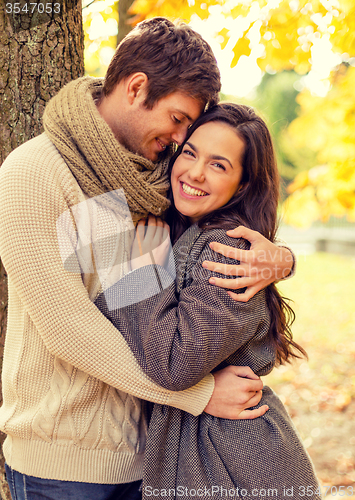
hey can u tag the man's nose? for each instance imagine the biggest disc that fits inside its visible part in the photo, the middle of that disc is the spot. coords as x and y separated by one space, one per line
178 136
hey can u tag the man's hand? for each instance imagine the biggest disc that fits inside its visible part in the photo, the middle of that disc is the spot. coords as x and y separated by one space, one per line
236 389
260 266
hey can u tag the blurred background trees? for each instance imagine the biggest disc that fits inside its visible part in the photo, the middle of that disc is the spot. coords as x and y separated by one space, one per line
289 39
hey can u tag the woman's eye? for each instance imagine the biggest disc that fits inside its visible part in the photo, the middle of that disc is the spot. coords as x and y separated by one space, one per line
219 165
176 120
188 152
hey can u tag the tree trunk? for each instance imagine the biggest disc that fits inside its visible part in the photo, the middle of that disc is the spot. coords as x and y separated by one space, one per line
123 18
39 53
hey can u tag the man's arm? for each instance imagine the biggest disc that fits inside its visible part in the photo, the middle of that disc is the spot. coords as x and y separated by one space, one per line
263 264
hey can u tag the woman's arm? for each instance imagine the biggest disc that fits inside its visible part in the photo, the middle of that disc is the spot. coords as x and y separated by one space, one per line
178 339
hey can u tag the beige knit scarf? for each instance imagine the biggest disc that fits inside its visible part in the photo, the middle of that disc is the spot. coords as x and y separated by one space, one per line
98 162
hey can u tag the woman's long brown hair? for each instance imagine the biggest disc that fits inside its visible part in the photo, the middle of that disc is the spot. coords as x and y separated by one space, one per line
254 206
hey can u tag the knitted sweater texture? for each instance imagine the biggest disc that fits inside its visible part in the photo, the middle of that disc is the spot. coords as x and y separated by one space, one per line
71 385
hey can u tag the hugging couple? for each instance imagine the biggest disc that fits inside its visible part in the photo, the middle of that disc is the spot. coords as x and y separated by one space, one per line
129 371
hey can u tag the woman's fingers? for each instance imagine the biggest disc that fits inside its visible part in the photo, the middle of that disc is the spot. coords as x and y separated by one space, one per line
139 239
151 244
152 235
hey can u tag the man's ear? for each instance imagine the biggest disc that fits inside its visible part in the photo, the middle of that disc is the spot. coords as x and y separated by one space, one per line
136 86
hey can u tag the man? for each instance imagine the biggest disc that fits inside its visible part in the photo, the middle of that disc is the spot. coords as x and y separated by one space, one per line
72 389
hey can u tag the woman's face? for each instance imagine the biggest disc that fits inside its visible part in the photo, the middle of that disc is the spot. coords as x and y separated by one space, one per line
208 172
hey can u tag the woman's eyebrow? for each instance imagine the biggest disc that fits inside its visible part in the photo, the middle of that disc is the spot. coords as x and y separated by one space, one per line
217 157
212 157
191 146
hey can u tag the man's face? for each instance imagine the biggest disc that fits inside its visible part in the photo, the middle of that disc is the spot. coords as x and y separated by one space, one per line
149 131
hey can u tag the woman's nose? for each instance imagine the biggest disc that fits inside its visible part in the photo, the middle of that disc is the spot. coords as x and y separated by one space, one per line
197 172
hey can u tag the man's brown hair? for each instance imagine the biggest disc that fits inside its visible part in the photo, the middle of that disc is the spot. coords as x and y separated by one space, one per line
174 58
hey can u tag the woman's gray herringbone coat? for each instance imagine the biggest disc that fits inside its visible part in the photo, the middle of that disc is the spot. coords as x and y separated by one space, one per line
179 335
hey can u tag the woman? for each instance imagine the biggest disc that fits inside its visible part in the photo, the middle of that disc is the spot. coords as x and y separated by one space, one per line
223 175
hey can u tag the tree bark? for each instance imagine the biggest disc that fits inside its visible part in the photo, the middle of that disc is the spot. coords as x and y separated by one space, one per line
39 53
123 19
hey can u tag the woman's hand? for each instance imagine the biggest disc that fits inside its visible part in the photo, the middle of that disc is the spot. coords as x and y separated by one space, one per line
151 243
260 266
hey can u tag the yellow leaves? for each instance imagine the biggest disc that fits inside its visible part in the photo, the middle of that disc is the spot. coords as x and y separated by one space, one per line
328 126
201 8
289 31
143 9
224 35
241 9
343 181
238 10
173 9
346 171
331 119
343 36
346 198
300 182
140 9
309 120
280 38
241 48
100 35
321 192
301 209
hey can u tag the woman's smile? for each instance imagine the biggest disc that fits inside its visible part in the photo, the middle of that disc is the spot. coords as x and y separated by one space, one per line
190 191
207 173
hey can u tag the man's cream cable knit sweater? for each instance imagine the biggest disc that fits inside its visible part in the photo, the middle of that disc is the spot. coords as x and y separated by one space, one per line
70 382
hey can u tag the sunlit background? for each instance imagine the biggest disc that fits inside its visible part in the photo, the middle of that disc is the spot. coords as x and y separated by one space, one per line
293 60
241 79
302 49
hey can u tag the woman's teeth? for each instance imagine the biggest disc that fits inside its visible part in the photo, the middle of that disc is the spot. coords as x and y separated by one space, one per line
192 191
